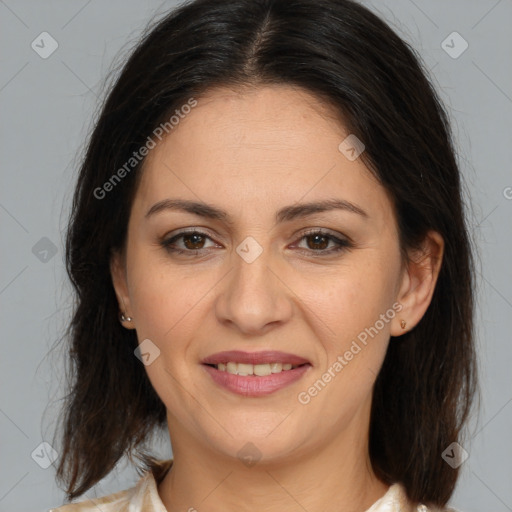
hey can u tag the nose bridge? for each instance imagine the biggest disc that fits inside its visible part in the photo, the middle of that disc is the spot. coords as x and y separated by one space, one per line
253 297
252 271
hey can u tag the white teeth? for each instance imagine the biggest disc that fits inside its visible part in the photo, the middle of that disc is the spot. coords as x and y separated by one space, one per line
261 370
245 369
276 367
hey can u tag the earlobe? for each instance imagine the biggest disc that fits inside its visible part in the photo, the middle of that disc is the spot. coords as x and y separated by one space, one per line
418 283
118 275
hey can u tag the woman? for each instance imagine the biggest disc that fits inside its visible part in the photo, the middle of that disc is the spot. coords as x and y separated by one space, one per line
272 263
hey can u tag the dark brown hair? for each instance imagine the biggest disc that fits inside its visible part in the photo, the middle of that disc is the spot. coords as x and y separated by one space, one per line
347 56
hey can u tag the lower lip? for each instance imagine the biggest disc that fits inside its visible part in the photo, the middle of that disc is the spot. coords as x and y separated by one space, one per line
253 386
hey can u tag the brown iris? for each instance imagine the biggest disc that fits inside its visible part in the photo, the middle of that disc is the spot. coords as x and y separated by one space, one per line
317 243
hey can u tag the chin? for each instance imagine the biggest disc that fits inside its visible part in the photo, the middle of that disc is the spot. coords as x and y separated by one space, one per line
250 447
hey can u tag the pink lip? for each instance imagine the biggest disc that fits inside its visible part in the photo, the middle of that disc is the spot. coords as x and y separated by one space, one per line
254 386
266 356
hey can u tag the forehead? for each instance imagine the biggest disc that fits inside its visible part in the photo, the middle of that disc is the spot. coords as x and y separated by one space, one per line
269 144
261 120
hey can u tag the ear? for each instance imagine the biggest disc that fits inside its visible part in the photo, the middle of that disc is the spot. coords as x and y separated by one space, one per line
118 274
419 278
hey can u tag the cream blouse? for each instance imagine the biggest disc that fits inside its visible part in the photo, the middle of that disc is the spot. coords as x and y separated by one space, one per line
144 497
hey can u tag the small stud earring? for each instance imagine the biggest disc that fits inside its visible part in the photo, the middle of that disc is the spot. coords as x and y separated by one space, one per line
403 323
125 318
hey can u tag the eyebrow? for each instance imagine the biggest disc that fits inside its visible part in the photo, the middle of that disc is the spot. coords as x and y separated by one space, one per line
286 214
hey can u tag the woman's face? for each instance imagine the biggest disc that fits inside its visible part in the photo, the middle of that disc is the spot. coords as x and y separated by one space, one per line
259 174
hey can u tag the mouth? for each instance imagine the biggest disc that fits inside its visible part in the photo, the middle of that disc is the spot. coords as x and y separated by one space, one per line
253 363
260 370
254 374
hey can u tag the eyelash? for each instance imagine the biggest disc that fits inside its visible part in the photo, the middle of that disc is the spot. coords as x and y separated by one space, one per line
343 244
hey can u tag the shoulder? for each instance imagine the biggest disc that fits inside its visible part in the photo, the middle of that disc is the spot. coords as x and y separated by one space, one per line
424 508
436 509
141 497
396 499
113 502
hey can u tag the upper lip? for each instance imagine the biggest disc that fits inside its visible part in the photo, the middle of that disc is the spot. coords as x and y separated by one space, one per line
266 356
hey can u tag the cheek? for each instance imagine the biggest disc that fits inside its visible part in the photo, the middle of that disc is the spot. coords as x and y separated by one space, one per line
169 302
159 295
353 340
164 302
351 299
163 309
354 335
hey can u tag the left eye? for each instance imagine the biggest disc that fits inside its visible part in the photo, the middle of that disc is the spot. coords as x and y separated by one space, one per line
318 241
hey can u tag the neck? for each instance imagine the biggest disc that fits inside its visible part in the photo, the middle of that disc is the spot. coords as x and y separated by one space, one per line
332 477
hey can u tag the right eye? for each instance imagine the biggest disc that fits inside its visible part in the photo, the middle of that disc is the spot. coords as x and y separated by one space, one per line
191 242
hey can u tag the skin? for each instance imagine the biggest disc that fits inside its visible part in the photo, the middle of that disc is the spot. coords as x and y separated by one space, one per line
251 153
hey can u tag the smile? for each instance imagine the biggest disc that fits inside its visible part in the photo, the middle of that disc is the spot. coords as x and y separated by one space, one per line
255 374
260 370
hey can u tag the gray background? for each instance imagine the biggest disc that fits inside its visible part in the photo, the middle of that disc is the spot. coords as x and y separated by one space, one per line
46 112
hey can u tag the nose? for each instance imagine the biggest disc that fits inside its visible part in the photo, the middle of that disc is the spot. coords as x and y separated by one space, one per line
254 297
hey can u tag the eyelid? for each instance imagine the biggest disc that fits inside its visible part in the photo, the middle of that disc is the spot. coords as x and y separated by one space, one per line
299 233
166 239
324 231
193 229
342 242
